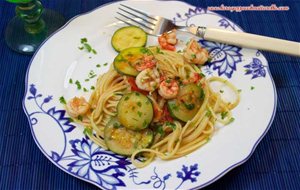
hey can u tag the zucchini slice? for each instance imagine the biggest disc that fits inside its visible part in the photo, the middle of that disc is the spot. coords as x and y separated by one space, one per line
129 36
126 60
124 141
187 103
135 111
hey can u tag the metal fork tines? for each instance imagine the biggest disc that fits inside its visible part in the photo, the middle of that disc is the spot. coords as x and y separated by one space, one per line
154 25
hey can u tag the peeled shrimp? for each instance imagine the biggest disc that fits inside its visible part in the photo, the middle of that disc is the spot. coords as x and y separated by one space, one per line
194 53
148 80
168 89
77 106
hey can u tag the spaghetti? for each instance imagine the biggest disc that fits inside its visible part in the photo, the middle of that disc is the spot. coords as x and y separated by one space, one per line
172 137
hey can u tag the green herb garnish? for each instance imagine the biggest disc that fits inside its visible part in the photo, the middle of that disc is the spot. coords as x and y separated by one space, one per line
79 118
224 114
160 130
92 88
116 125
88 131
140 113
86 46
189 106
70 81
208 113
252 87
78 84
62 100
98 65
145 124
159 51
202 94
139 104
209 59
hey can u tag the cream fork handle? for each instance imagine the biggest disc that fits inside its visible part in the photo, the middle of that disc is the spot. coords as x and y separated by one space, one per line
248 40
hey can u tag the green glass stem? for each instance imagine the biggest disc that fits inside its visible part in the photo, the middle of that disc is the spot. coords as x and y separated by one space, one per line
30 13
31 26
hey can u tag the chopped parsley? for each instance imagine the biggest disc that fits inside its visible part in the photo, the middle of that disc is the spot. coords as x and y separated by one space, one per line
62 100
79 118
83 40
231 120
86 46
221 91
172 125
139 104
179 51
116 125
224 114
137 94
208 113
87 80
174 107
105 64
98 65
70 81
85 90
88 131
239 90
78 84
140 113
144 50
70 119
145 124
193 56
202 94
189 106
252 87
159 51
209 59
92 74
126 98
202 75
92 88
160 130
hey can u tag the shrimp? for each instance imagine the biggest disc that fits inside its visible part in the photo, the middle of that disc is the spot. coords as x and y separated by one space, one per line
168 89
148 61
168 40
195 78
77 106
148 79
195 54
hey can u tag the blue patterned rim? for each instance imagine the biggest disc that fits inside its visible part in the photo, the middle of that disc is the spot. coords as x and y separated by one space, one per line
201 186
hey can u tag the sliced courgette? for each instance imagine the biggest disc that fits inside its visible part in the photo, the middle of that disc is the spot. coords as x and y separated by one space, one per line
124 141
187 103
126 60
135 111
129 36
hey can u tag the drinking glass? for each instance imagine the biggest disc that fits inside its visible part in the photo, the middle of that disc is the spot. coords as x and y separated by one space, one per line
31 26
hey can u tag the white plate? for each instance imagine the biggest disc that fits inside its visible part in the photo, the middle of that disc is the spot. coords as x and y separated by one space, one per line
59 59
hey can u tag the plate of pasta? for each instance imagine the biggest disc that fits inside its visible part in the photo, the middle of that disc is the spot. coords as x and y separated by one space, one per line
121 109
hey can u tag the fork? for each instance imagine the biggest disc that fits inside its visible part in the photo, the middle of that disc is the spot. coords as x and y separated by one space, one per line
157 25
